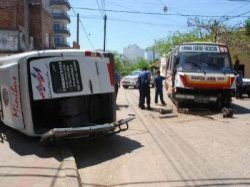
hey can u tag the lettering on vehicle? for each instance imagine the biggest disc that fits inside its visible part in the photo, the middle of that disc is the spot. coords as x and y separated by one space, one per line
14 92
203 78
199 48
38 76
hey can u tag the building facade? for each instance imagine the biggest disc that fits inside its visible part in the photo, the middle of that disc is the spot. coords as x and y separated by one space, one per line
151 55
12 26
59 9
133 52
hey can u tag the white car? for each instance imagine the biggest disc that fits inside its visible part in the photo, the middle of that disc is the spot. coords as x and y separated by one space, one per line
132 80
246 86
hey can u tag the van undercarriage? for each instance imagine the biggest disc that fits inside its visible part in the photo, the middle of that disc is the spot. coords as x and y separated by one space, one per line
80 111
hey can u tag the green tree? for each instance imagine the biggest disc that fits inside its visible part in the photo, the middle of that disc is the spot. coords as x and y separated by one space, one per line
248 26
166 45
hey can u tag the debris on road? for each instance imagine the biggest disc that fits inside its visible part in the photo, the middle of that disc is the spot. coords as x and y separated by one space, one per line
227 112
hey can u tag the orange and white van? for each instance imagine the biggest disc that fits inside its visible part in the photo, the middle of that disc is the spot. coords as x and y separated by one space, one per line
199 73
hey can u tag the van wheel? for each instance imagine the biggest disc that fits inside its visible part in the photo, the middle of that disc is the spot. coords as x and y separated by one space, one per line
125 86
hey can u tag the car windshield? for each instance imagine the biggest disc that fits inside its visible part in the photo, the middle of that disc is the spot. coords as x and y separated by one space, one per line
204 62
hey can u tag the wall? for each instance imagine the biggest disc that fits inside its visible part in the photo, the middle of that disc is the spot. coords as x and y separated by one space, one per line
11 41
11 14
244 58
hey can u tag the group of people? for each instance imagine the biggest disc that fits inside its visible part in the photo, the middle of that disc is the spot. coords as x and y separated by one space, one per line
144 80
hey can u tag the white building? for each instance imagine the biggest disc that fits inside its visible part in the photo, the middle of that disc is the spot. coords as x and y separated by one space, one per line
59 9
133 53
152 55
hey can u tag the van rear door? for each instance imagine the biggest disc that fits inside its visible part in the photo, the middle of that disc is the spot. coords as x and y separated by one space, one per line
69 76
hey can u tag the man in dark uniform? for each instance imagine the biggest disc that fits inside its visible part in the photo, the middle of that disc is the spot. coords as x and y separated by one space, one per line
158 88
144 88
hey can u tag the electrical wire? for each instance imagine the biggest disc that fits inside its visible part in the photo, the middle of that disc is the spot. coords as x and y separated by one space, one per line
156 13
83 29
102 12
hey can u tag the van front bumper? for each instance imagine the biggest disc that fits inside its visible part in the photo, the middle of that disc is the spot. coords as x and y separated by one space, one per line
88 131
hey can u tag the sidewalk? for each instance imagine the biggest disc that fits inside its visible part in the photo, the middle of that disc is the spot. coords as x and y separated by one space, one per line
26 163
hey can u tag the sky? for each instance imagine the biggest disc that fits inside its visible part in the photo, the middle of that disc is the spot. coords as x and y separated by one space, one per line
124 28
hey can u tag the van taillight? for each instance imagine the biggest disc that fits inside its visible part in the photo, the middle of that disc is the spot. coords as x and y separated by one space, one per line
110 74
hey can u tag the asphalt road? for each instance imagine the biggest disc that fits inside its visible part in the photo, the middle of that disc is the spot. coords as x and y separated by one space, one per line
24 162
200 148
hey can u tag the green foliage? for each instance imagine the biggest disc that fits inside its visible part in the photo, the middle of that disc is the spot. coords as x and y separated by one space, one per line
141 63
166 45
248 26
207 31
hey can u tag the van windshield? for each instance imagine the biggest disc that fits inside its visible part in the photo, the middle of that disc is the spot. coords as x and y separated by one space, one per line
204 62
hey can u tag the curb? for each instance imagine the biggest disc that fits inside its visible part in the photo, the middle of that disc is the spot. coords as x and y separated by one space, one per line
72 178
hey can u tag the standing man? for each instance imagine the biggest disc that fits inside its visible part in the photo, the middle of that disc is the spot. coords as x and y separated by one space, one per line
144 88
239 85
117 83
158 88
237 66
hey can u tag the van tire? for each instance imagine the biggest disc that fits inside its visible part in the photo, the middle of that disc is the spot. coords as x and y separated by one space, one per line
125 86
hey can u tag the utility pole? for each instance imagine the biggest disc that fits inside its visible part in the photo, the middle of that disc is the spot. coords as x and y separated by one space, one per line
26 24
104 42
77 32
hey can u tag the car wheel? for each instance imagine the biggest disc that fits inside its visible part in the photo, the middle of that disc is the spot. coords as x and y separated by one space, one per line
125 86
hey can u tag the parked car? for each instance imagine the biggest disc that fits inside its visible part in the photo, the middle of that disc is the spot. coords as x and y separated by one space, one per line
246 86
132 80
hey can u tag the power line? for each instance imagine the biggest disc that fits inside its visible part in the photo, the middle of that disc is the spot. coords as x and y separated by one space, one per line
232 11
83 29
102 13
157 13
86 35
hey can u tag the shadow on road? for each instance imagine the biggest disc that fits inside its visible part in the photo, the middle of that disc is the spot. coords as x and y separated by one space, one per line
240 109
24 145
119 107
92 152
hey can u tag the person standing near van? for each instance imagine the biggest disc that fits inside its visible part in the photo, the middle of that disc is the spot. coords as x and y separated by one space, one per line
117 83
158 88
144 88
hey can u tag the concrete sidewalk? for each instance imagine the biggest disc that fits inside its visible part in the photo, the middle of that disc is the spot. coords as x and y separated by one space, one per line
26 163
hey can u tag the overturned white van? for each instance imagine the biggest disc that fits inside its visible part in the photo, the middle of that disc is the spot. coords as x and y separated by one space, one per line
59 94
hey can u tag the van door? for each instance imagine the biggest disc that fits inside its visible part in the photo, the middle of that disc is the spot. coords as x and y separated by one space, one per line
69 76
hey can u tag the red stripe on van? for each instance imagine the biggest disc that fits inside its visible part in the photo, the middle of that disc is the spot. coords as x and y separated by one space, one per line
110 74
88 53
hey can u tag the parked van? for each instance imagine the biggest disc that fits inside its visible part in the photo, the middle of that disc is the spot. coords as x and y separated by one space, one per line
59 94
199 72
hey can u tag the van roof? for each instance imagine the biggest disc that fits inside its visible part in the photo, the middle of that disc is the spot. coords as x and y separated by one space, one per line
200 43
61 52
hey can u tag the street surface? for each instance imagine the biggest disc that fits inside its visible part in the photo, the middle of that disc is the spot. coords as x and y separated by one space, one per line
195 149
26 163
199 148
